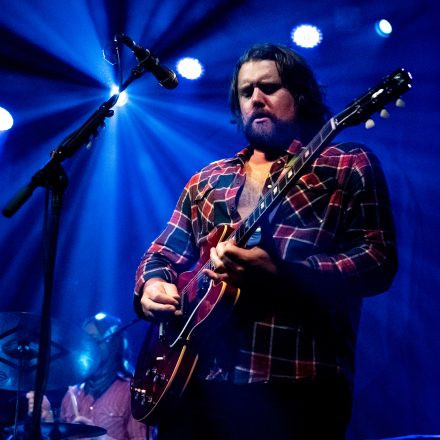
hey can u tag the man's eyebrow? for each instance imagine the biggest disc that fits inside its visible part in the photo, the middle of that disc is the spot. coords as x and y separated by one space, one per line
263 81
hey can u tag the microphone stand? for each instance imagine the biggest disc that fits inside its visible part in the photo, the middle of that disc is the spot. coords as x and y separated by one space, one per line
53 177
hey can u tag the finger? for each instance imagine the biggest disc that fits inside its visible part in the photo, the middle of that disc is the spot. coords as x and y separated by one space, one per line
171 290
211 274
162 297
236 254
216 261
216 277
161 291
221 260
152 306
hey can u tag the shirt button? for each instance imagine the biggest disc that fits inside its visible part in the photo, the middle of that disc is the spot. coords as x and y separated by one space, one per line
269 186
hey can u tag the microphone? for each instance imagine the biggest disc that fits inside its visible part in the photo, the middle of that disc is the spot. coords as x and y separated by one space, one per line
166 77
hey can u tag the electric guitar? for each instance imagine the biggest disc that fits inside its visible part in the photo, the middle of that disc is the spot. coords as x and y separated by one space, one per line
170 353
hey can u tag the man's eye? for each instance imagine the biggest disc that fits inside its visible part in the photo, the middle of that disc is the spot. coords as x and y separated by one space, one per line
269 88
246 92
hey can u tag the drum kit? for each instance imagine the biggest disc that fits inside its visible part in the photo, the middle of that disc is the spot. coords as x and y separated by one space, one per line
74 357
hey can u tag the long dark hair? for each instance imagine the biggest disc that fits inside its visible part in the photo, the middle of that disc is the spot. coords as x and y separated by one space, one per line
295 75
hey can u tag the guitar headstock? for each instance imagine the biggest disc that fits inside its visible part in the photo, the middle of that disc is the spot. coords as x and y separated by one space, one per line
389 89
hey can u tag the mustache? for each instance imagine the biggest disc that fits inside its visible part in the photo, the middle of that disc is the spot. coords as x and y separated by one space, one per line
260 114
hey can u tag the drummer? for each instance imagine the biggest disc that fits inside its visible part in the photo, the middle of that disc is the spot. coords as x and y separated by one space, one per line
104 399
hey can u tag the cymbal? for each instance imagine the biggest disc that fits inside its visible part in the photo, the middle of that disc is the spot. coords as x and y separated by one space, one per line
74 354
59 430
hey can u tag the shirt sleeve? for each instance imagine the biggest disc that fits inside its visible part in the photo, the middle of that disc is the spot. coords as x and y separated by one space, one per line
173 251
365 260
66 411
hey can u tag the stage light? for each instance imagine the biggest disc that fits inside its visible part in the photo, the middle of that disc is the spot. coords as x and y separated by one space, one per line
190 68
123 96
99 316
383 28
306 35
6 120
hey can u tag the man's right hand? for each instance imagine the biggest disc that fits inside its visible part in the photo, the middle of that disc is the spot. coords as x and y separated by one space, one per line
46 411
160 300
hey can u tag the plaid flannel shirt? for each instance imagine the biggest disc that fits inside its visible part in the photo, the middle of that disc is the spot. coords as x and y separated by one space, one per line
333 239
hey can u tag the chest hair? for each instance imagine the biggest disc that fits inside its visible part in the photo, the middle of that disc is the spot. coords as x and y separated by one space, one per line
256 175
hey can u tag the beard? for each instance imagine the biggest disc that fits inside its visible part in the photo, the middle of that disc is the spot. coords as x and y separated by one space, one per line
272 135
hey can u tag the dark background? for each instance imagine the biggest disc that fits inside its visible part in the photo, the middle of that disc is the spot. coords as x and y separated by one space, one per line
122 190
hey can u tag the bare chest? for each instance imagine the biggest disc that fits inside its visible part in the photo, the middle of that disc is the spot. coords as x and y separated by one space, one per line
256 176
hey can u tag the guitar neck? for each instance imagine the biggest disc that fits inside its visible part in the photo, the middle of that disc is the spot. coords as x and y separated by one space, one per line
291 173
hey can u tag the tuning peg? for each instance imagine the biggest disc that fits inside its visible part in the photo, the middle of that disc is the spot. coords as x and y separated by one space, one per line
384 113
400 103
369 124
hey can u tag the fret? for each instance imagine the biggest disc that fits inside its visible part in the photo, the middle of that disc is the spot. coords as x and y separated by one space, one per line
239 233
283 183
299 162
268 197
252 217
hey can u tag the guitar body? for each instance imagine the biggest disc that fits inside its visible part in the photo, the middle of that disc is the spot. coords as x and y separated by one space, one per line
170 352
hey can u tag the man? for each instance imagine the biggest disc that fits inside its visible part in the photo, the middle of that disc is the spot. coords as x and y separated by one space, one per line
282 367
104 399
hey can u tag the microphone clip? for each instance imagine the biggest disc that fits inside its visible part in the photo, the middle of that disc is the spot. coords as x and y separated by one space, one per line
147 61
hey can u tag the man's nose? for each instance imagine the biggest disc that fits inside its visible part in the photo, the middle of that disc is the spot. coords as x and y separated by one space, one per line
258 98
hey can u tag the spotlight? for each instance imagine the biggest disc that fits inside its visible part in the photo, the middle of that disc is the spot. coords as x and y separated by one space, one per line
123 96
383 28
6 120
306 35
190 68
99 316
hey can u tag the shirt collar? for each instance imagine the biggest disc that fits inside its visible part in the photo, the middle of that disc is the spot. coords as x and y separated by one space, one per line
245 154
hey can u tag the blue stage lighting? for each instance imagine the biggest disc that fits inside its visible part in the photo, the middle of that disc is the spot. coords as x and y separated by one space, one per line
383 28
6 120
190 68
306 35
99 316
123 96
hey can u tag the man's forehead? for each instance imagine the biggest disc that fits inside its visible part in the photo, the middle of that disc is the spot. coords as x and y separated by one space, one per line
256 70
